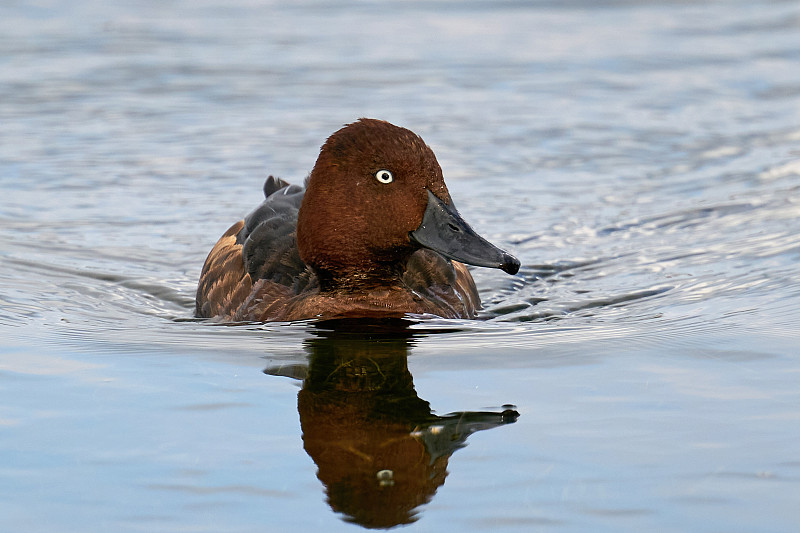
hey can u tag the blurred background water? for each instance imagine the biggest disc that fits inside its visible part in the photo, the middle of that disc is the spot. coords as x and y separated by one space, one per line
641 158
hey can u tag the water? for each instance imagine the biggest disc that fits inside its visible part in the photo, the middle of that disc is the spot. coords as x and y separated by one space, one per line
641 158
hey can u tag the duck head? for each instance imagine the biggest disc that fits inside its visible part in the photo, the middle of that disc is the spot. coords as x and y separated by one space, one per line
376 195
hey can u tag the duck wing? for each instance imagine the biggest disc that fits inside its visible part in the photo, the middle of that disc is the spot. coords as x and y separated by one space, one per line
262 246
269 237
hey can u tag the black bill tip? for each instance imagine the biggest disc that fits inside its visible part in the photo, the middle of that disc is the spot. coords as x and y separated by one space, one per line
510 264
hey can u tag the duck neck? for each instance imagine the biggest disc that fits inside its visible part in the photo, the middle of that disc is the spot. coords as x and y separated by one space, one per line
359 280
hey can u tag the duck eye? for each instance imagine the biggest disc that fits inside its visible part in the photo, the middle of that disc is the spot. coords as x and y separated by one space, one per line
384 176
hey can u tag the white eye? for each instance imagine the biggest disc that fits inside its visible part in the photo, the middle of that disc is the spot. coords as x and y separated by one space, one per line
384 176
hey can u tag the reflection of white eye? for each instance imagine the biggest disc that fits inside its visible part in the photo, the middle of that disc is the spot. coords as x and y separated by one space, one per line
384 176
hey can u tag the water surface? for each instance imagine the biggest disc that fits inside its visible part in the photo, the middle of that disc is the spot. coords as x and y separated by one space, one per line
640 373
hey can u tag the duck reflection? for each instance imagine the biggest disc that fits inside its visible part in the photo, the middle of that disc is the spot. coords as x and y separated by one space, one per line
380 451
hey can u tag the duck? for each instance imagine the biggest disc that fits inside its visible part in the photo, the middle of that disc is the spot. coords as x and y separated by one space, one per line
373 234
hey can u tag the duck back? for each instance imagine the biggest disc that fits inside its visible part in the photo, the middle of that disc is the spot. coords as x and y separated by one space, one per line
262 246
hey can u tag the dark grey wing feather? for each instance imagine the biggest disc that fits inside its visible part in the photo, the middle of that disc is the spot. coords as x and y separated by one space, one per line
269 237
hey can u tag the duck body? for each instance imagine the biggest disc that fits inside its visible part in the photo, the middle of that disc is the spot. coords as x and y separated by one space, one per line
373 234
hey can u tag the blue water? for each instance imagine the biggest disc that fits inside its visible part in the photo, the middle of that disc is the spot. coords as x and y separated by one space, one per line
642 159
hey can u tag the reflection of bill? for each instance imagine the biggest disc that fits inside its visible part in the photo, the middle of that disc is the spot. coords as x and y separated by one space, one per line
381 453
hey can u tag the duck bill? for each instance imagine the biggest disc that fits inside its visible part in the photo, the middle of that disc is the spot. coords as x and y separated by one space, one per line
444 231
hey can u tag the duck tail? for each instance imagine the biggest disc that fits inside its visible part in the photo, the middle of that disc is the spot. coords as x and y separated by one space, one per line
273 184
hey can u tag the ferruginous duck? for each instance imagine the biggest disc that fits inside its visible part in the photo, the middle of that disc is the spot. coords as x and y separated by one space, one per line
373 234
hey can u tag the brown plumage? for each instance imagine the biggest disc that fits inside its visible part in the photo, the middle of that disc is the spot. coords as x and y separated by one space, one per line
368 237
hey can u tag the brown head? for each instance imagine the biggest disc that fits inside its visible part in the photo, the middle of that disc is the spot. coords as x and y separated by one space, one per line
367 202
